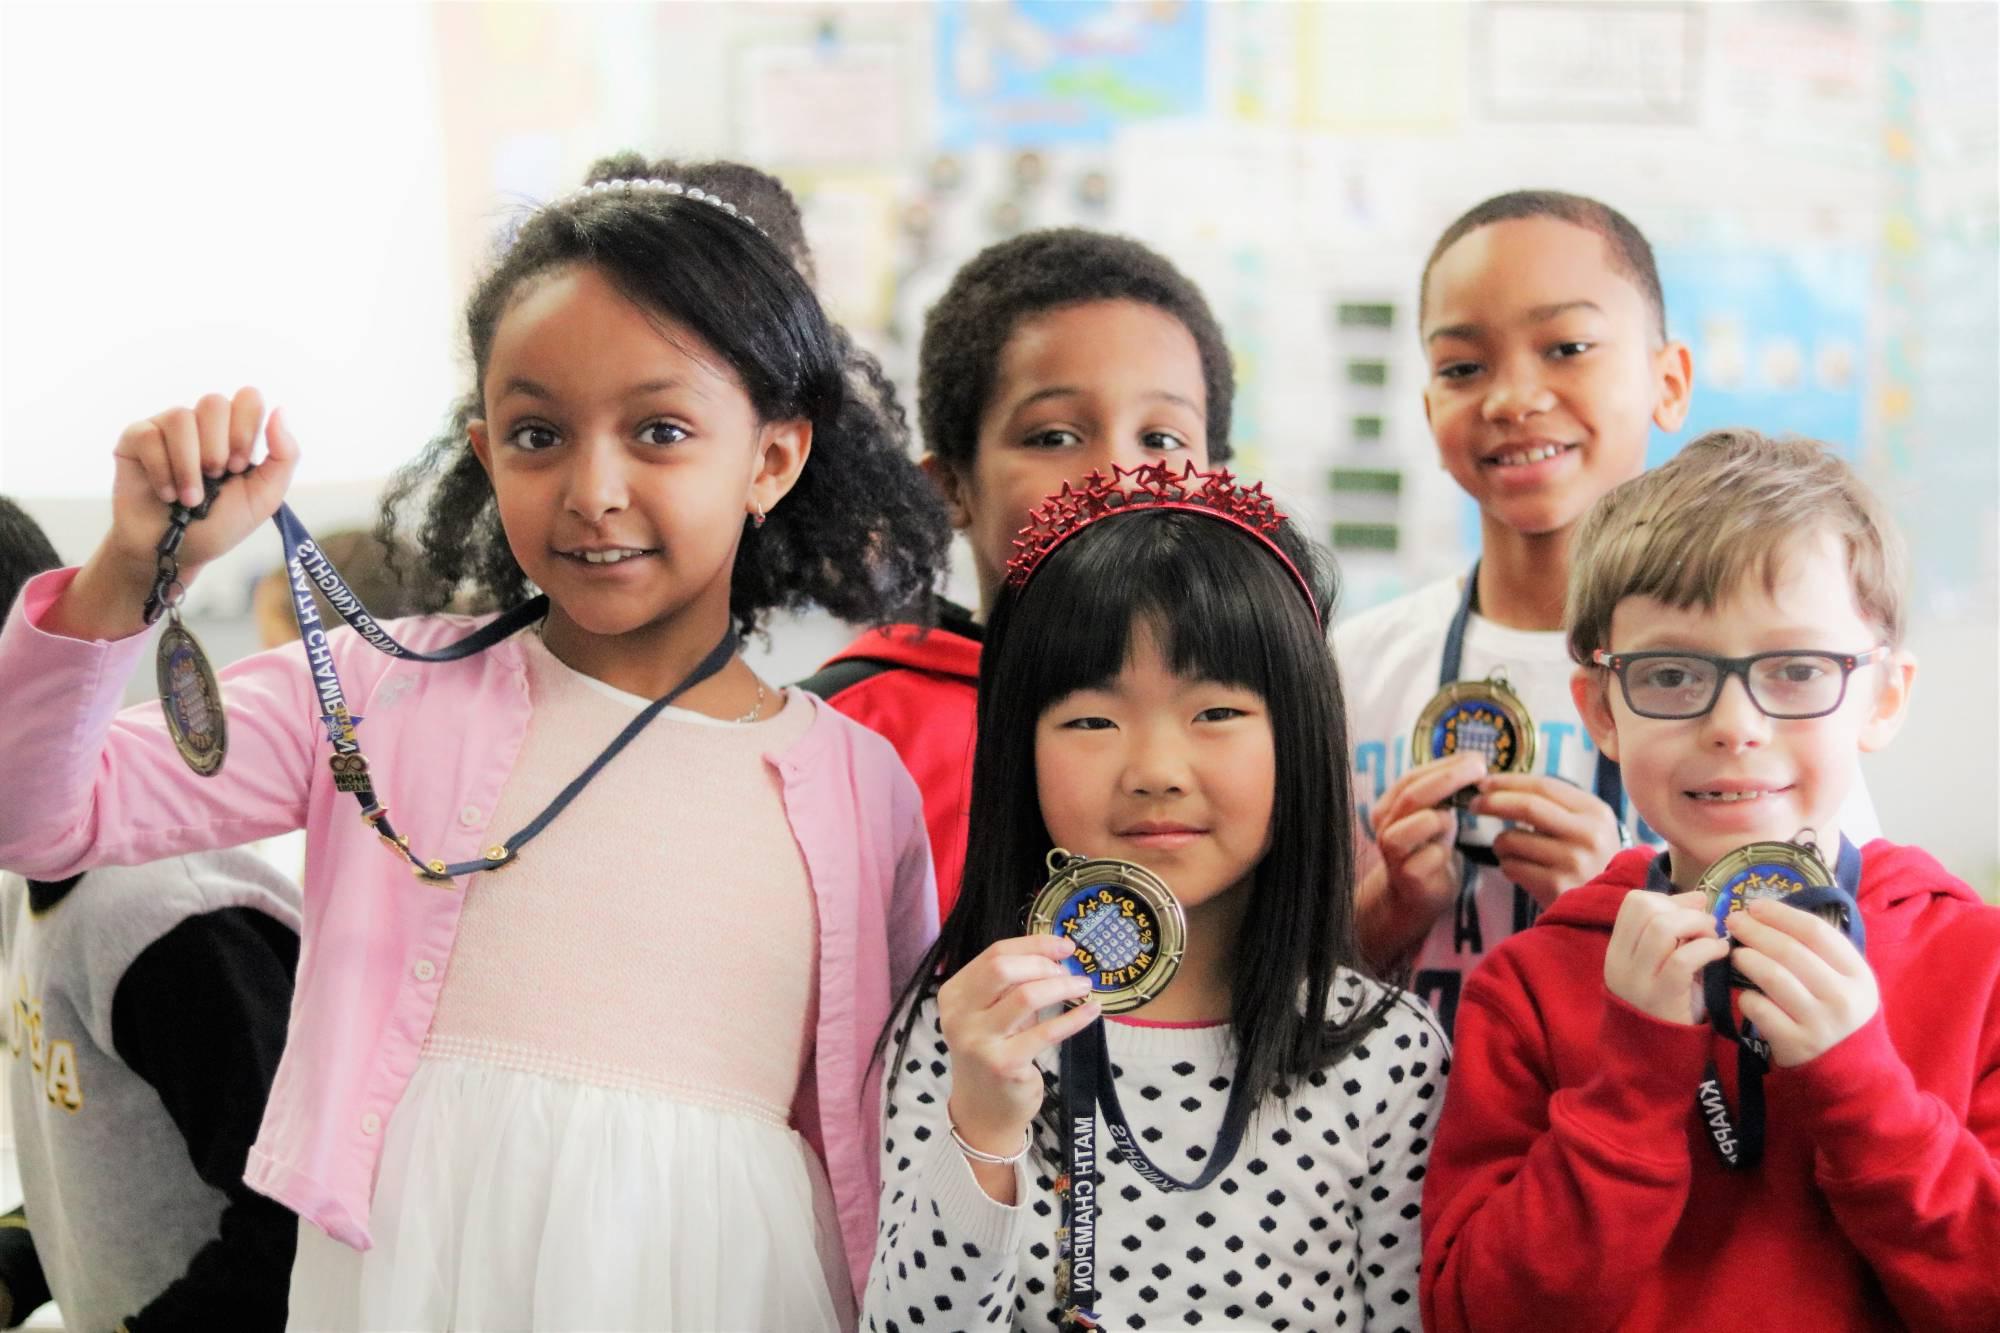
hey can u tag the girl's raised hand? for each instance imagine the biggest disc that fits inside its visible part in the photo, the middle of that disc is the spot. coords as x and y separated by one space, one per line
989 1013
161 461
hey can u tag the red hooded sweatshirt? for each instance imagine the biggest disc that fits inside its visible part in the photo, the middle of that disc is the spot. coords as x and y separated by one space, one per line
1574 1186
920 690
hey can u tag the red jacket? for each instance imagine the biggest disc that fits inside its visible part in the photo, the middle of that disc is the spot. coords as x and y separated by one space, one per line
920 690
1573 1185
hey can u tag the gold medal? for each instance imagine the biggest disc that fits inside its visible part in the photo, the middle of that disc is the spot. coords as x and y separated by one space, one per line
1128 929
191 700
1476 715
1765 870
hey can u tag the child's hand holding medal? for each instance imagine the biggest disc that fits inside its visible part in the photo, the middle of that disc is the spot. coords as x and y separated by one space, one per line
1796 944
1559 835
989 1013
1813 987
163 461
1418 878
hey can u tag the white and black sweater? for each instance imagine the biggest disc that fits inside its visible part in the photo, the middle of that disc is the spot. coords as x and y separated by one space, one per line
1315 1226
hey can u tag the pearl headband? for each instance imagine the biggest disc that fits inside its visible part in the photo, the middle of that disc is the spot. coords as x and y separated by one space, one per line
599 189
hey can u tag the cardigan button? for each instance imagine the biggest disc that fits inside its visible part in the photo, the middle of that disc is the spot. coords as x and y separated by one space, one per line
425 969
470 816
371 1124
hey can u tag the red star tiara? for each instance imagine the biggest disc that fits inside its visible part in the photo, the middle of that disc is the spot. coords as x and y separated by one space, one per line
1154 486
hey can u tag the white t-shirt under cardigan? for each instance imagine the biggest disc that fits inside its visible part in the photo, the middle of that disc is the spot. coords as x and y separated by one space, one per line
1315 1225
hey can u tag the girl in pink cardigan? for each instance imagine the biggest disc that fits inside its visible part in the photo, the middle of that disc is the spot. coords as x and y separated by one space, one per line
617 1078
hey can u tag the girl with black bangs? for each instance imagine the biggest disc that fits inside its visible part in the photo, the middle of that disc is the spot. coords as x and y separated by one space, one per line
1158 689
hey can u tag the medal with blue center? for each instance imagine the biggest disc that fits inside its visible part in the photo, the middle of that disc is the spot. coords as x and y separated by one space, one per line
1776 870
1485 716
1127 927
1130 934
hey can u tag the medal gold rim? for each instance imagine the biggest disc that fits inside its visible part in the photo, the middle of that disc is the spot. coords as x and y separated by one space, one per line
1142 884
1790 855
206 763
1494 692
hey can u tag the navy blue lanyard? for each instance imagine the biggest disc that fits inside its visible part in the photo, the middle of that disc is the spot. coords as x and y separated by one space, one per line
1741 1146
1608 784
1084 1071
308 568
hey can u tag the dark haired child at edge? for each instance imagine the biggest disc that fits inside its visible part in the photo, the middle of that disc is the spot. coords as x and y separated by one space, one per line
1051 355
1736 617
147 1010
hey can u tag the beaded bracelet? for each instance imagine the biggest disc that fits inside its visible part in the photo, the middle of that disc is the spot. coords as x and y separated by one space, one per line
1027 1141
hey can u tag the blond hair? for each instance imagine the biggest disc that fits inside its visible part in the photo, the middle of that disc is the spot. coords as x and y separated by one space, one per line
1723 509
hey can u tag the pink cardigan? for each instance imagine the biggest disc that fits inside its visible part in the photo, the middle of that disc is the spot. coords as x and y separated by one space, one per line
89 785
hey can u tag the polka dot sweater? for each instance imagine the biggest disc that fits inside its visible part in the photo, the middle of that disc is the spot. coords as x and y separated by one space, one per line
1314 1226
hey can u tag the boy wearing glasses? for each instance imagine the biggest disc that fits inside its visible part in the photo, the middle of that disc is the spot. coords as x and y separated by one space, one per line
1632 1136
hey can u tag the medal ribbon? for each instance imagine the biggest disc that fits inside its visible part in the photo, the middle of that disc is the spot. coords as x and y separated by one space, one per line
1741 1147
1086 1087
309 568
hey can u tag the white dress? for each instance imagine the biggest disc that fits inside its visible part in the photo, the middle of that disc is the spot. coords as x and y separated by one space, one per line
596 1137
509 1200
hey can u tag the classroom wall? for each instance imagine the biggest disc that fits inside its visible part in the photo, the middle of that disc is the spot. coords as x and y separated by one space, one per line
297 196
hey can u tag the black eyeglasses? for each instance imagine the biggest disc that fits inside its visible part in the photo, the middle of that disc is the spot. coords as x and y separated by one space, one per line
1790 686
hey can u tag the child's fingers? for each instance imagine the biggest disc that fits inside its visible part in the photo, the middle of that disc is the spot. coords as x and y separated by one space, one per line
1543 883
269 480
246 414
1668 929
180 436
1518 805
1018 1007
1696 954
1429 866
1433 784
1779 1028
1811 931
1407 835
1782 987
1787 950
1026 1045
211 416
1534 847
1003 965
144 444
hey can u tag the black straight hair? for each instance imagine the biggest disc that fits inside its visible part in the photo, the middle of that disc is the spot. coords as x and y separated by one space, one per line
1222 608
861 534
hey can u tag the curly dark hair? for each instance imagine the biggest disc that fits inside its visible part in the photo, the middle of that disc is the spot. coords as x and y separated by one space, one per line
861 534
1026 276
1629 252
